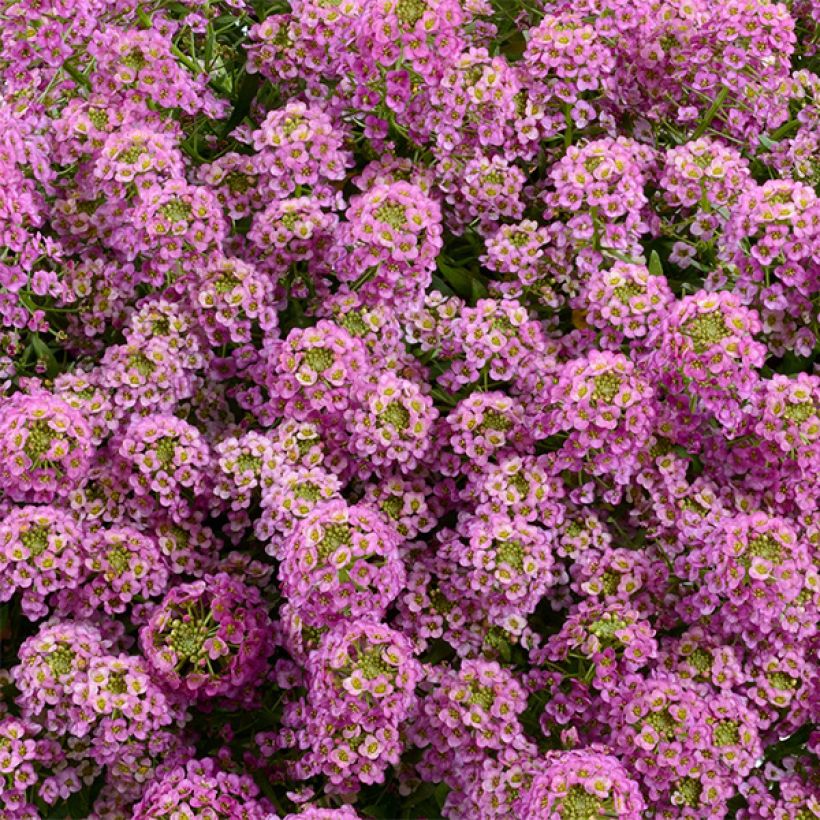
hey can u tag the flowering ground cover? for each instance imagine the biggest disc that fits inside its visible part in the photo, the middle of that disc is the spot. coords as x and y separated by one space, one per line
409 409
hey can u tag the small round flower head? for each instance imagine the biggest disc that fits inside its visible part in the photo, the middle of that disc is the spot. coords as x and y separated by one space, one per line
136 158
495 786
501 563
348 753
189 547
469 714
567 58
405 40
796 156
772 237
167 459
517 250
25 164
488 189
626 297
475 103
691 746
45 447
704 174
432 608
119 702
599 185
789 415
607 640
707 340
780 677
315 371
791 795
604 404
391 168
209 408
380 328
582 531
41 550
293 230
200 788
51 664
96 292
208 638
362 666
137 63
523 488
581 783
84 392
307 44
393 426
171 322
238 482
432 325
105 497
619 574
301 444
759 567
361 688
234 180
232 301
486 425
388 245
122 566
137 763
174 224
702 656
31 765
289 496
341 561
299 145
750 71
496 339
298 636
406 502
144 376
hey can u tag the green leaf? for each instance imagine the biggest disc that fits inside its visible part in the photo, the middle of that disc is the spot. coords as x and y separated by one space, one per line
792 364
655 266
424 792
458 278
711 113
247 91
440 285
438 651
44 353
442 790
478 290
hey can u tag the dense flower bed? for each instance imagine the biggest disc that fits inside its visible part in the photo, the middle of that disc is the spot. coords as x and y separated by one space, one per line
409 409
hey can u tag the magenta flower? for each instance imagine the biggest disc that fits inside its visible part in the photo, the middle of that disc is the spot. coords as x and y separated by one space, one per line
209 638
45 447
341 561
200 786
589 781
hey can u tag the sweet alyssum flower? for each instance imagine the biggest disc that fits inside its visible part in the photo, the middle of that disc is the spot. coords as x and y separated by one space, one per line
45 447
41 550
208 638
409 408
341 561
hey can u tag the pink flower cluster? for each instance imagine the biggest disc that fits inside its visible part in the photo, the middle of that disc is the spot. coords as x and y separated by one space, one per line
409 409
